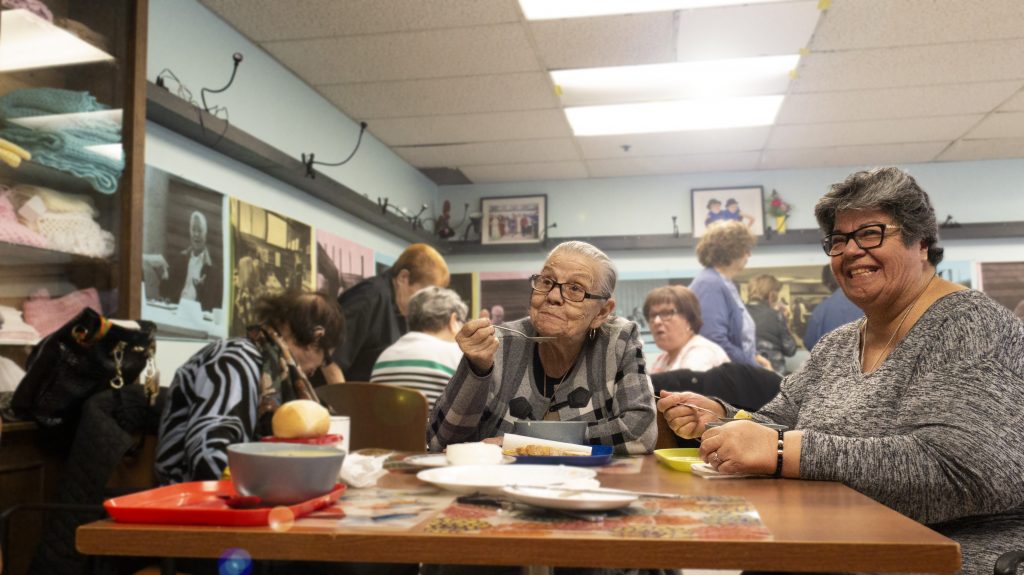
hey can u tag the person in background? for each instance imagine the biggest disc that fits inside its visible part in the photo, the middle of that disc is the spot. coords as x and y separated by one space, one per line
723 251
917 405
497 313
832 312
673 312
592 371
425 358
192 271
227 391
774 342
375 308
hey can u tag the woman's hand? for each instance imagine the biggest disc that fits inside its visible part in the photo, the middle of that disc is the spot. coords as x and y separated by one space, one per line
684 421
740 447
476 340
763 361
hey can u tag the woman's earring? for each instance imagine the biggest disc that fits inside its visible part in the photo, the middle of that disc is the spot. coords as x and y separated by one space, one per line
593 334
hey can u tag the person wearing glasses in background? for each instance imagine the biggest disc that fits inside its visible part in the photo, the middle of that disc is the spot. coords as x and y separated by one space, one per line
673 312
593 370
917 405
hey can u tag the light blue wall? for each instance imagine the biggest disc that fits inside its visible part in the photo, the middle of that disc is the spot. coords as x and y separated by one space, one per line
269 102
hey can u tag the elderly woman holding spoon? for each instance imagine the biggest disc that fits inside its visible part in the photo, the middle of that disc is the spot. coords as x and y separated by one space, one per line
591 369
917 404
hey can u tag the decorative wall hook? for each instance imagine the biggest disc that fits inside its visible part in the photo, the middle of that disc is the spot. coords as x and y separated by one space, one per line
310 161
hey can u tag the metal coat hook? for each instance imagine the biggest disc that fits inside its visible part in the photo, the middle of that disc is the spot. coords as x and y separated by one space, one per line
309 161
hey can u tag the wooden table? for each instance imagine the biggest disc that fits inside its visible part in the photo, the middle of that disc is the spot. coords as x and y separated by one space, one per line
816 526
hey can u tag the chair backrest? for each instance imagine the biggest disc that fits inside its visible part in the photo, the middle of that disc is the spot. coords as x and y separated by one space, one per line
384 416
666 438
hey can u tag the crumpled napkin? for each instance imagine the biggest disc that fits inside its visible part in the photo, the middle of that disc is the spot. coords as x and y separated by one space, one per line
363 470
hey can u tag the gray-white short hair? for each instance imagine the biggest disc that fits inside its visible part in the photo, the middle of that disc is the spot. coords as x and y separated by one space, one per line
607 275
432 307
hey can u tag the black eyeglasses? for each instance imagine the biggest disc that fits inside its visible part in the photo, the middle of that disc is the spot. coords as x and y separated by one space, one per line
664 315
570 291
866 237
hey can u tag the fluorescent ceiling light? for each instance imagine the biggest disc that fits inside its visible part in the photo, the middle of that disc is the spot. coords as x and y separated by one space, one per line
676 81
54 122
551 9
678 116
28 41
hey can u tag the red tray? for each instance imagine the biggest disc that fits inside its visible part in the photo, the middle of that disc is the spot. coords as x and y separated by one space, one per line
322 440
202 503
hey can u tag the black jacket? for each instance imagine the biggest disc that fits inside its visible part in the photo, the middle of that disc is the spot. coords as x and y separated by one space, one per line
372 323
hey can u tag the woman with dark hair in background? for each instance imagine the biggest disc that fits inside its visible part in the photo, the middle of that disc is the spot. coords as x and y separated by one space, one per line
673 313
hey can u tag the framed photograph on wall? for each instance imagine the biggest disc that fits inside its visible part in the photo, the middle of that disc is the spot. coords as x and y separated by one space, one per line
513 219
710 205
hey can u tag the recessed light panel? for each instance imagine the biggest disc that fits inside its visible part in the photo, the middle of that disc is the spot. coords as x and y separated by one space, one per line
551 9
676 116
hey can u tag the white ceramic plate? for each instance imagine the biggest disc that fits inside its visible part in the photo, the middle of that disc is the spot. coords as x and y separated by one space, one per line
492 479
428 460
569 499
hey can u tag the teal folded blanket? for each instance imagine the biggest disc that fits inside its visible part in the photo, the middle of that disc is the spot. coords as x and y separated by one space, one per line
45 101
64 150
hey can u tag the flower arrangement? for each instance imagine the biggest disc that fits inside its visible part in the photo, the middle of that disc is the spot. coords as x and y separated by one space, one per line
778 209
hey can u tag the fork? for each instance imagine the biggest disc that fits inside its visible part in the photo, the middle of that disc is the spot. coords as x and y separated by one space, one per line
527 336
699 408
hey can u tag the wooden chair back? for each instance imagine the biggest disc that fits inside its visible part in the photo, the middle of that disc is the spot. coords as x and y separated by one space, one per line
384 416
666 438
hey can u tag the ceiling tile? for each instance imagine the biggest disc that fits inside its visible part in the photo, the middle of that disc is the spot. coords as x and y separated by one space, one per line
613 168
459 95
1014 104
1001 125
526 172
946 100
740 31
915 66
468 128
625 40
968 150
893 131
263 20
674 143
461 155
884 23
494 49
871 155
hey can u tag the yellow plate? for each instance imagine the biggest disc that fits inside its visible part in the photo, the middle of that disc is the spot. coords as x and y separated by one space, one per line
680 458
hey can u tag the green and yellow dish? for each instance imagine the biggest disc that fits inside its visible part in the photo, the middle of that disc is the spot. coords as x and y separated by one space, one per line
680 458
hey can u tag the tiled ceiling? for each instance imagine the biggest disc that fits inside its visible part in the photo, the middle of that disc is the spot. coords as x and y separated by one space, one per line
463 84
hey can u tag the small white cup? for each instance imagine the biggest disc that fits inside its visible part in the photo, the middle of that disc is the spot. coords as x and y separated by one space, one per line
341 425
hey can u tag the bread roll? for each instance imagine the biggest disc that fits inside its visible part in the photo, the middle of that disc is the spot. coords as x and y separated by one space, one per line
301 418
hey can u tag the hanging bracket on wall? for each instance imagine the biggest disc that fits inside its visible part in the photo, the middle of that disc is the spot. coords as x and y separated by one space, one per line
414 219
310 161
237 57
675 227
548 227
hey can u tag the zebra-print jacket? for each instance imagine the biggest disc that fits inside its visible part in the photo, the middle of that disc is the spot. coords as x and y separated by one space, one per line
212 403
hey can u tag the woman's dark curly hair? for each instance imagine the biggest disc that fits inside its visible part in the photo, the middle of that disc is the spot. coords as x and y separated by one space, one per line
892 191
304 313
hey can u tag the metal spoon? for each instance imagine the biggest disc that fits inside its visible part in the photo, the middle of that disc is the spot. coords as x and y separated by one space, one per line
527 336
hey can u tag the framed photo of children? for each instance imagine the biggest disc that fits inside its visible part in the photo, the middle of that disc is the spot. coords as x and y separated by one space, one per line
513 219
710 205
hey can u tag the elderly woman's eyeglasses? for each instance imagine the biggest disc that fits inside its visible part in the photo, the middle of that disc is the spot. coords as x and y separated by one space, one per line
866 237
664 315
570 291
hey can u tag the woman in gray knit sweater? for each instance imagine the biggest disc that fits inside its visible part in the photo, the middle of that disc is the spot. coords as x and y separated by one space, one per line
918 404
592 370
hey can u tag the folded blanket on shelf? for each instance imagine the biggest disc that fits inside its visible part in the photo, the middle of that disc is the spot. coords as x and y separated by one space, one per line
11 230
65 150
75 233
47 314
45 101
57 201
15 329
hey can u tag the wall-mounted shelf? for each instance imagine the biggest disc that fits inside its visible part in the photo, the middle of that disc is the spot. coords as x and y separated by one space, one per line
177 115
987 230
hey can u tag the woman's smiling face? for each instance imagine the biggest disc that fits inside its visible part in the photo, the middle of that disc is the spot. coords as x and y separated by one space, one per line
877 278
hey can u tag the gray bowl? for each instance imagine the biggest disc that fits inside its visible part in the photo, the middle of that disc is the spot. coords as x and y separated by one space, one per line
284 473
565 431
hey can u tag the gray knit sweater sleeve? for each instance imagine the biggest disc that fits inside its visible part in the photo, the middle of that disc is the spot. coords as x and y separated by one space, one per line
936 432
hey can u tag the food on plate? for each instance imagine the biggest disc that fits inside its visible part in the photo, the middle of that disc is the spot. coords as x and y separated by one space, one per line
477 453
299 419
544 450
743 414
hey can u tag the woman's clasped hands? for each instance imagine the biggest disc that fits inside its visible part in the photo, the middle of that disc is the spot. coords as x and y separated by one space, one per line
735 447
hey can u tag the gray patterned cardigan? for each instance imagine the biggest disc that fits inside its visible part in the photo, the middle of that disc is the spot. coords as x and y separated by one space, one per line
936 432
611 370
